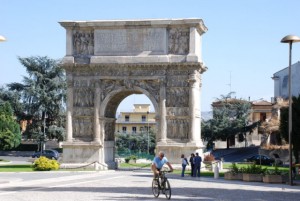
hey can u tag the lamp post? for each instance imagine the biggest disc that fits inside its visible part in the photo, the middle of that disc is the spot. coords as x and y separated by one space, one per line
148 130
2 38
290 39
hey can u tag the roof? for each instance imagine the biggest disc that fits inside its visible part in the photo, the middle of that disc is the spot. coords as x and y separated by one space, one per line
262 103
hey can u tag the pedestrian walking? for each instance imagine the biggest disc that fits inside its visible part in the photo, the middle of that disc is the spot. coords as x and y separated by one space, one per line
197 161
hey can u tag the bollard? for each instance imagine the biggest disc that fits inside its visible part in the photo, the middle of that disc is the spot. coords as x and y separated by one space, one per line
216 172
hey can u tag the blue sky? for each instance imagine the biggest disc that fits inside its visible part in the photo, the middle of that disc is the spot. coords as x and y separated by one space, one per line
242 41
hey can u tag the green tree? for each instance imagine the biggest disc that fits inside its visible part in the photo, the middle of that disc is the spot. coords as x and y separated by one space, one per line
284 114
230 118
42 94
128 143
14 100
10 135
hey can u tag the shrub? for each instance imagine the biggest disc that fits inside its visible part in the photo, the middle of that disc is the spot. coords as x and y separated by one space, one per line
209 157
132 157
276 171
45 164
235 169
254 169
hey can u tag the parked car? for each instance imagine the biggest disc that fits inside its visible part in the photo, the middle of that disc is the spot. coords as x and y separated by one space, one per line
260 159
51 154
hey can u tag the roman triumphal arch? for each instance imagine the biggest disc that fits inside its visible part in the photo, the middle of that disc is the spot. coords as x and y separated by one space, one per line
106 61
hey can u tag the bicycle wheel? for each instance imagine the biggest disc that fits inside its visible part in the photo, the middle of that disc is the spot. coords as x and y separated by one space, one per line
155 188
167 189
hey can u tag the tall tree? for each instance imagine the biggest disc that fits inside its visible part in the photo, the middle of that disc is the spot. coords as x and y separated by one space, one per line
284 113
10 135
42 93
230 118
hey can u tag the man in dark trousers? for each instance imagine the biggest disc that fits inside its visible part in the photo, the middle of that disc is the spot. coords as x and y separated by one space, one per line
197 162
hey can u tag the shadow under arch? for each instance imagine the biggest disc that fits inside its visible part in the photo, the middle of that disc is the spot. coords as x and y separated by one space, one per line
109 105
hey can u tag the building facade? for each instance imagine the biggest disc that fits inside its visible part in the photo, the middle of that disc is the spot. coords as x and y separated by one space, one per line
260 111
139 121
281 79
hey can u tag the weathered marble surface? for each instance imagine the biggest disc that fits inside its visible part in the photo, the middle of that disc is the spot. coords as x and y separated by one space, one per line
106 61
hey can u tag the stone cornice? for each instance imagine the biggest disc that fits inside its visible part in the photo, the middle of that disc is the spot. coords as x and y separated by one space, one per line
141 66
118 24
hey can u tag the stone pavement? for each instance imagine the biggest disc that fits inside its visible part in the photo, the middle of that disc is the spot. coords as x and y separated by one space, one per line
134 185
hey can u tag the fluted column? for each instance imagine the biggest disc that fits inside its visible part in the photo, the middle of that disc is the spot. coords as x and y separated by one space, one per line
102 138
97 103
69 127
194 105
163 112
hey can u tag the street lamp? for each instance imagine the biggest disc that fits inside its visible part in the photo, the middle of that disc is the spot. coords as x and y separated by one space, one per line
148 129
2 38
290 39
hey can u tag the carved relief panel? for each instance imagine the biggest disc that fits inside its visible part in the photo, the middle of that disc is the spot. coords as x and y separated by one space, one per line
178 40
83 42
83 94
178 97
178 129
83 128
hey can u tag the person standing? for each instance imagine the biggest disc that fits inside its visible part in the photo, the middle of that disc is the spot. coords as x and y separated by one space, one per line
184 163
192 164
197 161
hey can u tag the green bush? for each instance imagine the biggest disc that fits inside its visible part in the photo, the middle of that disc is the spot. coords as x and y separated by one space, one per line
254 169
235 169
45 164
132 157
276 171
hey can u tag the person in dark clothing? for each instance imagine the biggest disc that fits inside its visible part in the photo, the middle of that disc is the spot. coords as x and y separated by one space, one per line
192 164
197 161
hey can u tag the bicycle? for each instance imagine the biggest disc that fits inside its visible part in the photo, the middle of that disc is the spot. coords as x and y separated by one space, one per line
161 184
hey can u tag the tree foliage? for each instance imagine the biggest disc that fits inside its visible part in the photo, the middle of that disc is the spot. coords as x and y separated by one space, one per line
135 143
10 135
42 94
230 118
284 114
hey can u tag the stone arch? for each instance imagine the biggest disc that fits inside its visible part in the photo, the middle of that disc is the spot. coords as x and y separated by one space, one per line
108 110
108 60
117 96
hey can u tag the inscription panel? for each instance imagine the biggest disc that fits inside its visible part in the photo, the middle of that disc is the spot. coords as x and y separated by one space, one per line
129 42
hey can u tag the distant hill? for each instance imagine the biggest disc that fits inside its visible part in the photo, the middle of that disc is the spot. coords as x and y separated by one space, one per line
206 115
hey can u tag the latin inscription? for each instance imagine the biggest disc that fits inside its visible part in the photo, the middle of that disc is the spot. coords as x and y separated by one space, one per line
125 42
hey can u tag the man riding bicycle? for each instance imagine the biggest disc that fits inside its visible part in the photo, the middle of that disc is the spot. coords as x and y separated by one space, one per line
158 162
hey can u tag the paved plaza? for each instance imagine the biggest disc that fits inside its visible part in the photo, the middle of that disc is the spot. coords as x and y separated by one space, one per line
132 185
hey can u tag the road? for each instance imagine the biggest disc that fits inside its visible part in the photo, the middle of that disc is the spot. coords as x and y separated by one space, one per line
129 185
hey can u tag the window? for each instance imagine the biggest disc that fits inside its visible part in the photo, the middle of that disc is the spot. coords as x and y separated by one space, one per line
141 129
143 118
127 118
124 129
263 116
285 81
133 129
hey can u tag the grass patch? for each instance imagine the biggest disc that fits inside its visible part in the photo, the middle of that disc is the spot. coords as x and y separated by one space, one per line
134 165
228 166
16 168
202 173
